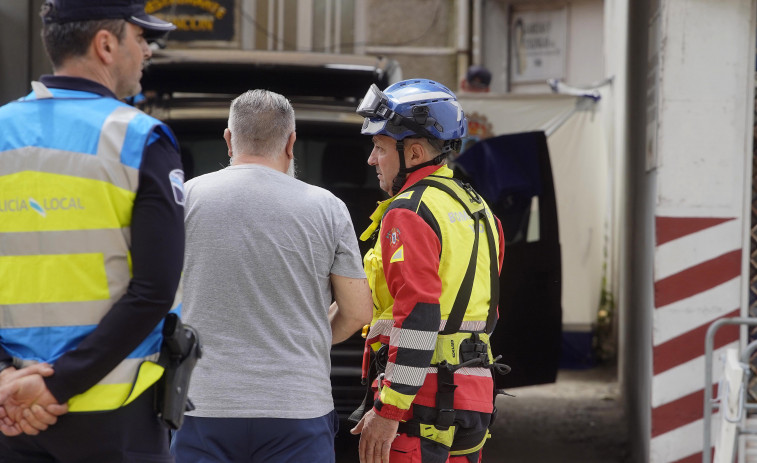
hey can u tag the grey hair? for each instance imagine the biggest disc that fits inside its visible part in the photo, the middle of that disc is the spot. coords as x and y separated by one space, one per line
260 123
432 145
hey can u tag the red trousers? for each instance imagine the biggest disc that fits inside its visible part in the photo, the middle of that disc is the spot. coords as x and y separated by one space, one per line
471 431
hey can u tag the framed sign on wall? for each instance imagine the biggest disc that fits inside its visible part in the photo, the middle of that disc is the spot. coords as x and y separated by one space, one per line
538 43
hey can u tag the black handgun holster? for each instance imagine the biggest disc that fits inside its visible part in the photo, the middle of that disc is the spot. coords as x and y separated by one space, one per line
178 355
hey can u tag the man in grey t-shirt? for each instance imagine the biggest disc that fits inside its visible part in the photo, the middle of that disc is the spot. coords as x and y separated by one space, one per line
264 255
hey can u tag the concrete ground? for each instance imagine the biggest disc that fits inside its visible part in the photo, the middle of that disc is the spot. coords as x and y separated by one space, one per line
577 419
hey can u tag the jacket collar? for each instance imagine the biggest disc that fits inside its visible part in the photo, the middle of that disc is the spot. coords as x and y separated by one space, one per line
424 172
76 83
412 179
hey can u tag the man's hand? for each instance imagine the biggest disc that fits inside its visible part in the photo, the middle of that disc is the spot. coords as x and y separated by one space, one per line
376 436
27 404
9 374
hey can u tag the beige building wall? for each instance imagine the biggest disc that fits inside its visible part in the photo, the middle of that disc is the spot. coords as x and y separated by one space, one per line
438 39
420 34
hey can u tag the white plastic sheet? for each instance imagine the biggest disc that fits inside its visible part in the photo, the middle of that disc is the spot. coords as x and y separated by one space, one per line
579 152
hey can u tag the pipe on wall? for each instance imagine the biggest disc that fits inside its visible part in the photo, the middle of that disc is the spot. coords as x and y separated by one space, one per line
463 44
476 32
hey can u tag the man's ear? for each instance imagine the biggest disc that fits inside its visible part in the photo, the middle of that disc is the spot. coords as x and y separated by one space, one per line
103 45
416 154
290 145
227 137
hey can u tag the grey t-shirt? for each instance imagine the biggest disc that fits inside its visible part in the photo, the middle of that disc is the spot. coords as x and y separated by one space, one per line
260 248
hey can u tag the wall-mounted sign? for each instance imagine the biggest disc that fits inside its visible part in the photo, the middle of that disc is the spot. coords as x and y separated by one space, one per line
537 45
196 19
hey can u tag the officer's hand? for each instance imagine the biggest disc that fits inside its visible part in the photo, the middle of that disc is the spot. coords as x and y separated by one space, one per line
8 426
28 405
10 374
376 436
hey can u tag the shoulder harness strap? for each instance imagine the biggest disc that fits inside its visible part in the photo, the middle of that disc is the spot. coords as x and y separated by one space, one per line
475 208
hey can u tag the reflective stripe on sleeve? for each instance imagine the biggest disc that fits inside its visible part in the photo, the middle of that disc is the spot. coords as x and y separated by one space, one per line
412 339
403 374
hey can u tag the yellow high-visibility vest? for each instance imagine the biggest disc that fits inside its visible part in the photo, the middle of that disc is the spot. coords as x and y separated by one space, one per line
69 171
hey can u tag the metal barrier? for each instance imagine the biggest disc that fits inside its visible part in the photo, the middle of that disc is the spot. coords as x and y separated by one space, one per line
709 402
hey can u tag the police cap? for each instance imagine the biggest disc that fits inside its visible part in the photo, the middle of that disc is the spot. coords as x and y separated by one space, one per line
133 11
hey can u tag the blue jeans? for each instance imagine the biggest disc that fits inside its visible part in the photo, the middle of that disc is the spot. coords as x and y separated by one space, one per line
263 440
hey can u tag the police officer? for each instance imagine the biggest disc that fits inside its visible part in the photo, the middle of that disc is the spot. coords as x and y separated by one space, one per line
91 244
434 273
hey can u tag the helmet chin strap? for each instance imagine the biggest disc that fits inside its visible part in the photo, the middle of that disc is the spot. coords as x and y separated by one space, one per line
399 179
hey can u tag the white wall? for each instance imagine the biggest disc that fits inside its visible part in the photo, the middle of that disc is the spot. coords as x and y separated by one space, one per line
586 36
584 53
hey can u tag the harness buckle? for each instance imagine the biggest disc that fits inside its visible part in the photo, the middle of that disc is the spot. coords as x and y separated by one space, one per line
444 418
474 196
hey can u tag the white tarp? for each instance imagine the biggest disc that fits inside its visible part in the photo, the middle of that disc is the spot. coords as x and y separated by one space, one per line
579 153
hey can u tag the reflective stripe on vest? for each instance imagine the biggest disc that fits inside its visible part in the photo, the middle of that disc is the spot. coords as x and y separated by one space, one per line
447 345
67 190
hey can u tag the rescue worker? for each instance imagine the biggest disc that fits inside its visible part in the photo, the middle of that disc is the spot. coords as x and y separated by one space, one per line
91 244
434 274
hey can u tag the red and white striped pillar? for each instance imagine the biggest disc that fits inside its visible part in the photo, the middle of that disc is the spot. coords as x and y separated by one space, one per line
698 265
699 134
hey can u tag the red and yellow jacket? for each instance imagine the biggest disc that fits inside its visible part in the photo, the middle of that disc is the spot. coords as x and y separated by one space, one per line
415 270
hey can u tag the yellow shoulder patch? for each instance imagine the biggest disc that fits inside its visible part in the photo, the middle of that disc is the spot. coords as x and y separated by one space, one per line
405 195
398 256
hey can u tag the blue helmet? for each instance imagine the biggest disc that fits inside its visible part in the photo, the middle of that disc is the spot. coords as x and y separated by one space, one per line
413 108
